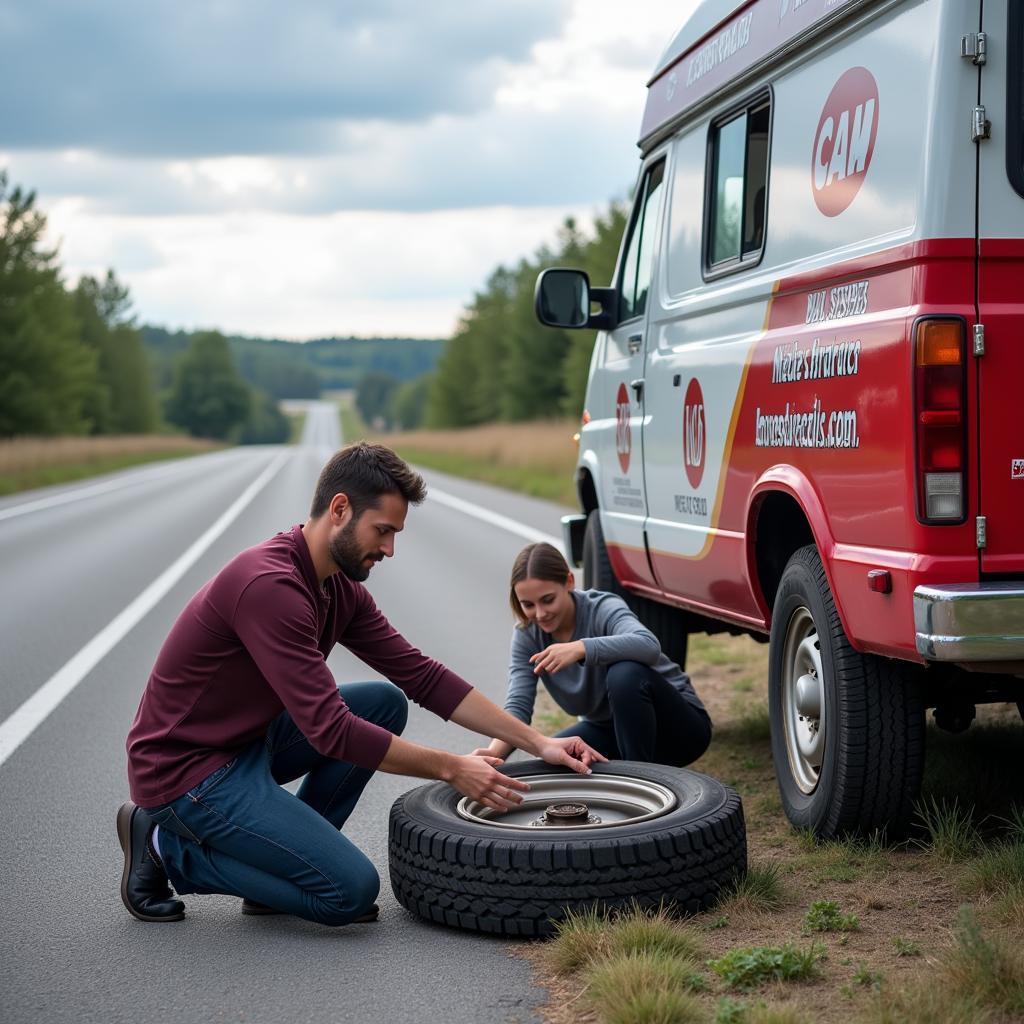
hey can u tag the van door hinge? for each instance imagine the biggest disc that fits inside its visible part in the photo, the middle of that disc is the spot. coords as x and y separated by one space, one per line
979 339
973 45
981 531
981 127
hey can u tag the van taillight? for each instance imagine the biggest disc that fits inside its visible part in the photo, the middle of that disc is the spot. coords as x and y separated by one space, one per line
940 417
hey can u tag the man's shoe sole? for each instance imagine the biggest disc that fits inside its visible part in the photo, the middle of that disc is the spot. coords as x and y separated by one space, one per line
124 837
253 909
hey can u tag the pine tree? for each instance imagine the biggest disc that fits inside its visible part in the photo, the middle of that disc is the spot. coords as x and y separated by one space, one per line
209 398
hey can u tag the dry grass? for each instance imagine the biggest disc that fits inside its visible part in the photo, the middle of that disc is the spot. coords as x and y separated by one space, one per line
38 461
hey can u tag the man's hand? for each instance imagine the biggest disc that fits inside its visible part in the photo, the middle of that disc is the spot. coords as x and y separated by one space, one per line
477 777
558 656
570 751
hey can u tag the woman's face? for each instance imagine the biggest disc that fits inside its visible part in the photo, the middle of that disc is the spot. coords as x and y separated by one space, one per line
548 604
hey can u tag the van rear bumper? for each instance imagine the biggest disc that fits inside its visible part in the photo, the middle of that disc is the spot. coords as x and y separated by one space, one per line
970 622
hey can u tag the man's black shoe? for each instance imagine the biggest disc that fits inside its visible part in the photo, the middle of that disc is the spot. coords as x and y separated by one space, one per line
144 888
253 909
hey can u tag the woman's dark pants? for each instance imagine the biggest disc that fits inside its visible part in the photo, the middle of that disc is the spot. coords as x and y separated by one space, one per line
651 720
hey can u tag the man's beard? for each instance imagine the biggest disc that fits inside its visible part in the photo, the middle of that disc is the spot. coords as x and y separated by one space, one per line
347 556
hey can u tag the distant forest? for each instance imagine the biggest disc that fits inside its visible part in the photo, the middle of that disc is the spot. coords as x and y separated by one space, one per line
289 369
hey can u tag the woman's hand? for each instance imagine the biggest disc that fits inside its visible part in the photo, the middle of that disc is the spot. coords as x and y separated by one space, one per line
558 656
570 751
477 777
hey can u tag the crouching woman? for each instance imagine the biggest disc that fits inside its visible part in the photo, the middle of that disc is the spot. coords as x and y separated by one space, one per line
600 663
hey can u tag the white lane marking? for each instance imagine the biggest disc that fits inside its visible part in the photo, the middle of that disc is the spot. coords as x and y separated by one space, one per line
494 518
66 497
33 712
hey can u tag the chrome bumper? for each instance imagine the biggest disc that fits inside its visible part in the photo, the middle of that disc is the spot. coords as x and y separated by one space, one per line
970 622
573 528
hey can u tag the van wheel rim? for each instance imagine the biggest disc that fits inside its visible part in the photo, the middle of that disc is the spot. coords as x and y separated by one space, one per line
803 700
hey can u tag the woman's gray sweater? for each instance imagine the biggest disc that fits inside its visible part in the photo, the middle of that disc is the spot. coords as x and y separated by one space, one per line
610 632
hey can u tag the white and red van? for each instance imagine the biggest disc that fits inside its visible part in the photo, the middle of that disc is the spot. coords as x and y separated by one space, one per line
805 411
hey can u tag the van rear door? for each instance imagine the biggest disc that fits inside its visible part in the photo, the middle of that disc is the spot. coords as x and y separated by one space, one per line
1000 285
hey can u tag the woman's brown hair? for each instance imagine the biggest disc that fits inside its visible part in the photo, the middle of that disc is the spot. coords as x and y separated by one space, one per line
536 562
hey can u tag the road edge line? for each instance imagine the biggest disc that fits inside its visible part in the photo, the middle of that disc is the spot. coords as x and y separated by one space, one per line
25 719
494 518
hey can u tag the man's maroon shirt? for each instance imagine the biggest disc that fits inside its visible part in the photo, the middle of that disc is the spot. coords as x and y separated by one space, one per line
252 643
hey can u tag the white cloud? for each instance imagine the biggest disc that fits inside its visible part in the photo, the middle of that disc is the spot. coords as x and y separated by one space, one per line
338 172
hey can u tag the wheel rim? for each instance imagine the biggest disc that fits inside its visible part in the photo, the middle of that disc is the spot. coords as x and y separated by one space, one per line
576 803
803 700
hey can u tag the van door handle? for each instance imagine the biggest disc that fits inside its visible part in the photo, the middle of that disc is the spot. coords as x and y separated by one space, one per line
638 388
633 343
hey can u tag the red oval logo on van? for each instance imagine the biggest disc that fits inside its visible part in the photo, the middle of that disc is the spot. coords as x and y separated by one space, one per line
694 433
623 434
845 141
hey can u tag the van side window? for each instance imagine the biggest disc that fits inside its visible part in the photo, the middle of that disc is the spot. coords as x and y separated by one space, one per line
635 278
1015 97
734 222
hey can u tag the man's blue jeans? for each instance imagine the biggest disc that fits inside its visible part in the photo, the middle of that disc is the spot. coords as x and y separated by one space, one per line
239 832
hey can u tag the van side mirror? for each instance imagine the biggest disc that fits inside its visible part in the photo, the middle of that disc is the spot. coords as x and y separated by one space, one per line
563 299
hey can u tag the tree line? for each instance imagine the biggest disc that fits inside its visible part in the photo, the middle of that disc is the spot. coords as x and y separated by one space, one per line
73 361
500 363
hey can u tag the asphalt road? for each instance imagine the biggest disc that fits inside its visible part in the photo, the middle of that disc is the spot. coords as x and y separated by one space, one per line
76 558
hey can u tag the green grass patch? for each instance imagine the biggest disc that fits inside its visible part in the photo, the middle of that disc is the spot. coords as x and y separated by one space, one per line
761 889
47 476
952 835
905 947
580 937
827 916
996 870
749 966
352 426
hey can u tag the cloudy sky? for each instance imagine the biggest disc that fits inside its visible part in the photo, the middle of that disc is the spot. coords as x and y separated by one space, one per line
320 167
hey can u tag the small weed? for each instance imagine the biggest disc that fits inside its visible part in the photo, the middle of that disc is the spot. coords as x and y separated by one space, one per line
760 888
1016 824
867 978
743 685
749 764
731 1011
645 988
722 921
951 830
1009 907
748 966
904 947
826 916
752 722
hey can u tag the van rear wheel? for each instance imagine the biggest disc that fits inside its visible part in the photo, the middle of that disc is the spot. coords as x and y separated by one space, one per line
847 728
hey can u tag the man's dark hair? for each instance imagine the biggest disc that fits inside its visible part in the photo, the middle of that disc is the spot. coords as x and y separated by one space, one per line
365 472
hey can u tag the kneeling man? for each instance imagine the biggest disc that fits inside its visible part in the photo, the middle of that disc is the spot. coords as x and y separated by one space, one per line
240 700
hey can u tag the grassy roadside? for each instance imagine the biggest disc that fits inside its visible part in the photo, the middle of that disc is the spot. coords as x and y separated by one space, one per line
929 932
533 458
26 463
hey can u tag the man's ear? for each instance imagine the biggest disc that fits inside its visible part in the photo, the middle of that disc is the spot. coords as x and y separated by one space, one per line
340 509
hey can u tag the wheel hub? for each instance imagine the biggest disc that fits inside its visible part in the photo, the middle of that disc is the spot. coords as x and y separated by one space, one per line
803 700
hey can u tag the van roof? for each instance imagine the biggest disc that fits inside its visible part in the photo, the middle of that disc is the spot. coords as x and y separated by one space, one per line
720 42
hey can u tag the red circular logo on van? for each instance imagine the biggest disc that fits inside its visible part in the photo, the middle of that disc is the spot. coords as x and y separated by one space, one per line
845 141
623 434
694 433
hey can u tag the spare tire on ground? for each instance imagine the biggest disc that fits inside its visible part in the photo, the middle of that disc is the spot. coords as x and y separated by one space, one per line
631 834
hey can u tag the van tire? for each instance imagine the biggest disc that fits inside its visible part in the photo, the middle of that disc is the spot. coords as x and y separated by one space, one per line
597 566
465 874
871 716
665 622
